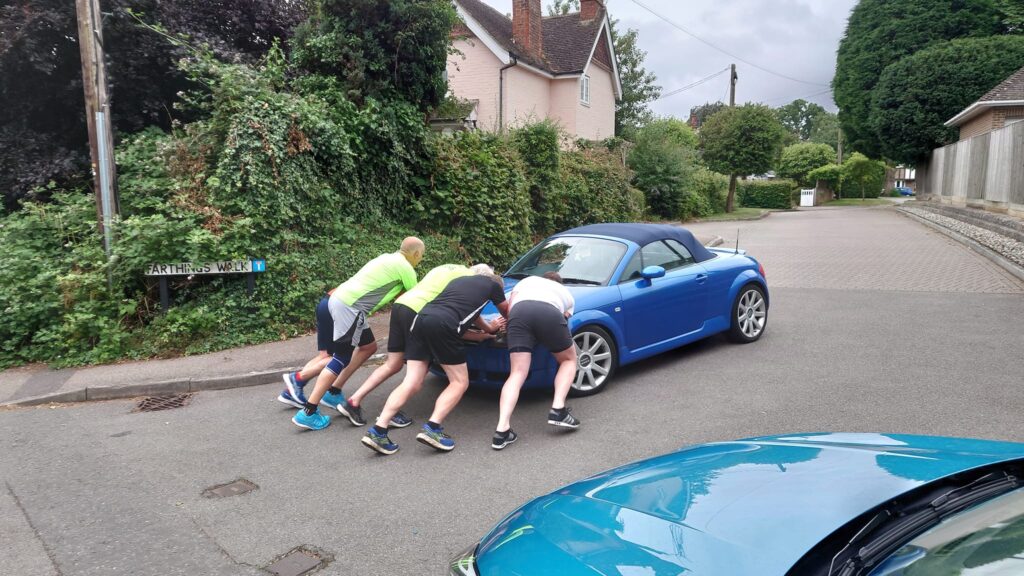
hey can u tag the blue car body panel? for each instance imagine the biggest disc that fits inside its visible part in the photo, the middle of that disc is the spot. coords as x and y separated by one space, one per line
643 318
749 507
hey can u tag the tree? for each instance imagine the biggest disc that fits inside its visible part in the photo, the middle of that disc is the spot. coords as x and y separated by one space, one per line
799 117
863 175
663 161
880 32
740 141
563 7
380 48
830 174
705 111
42 115
638 84
909 113
825 130
799 160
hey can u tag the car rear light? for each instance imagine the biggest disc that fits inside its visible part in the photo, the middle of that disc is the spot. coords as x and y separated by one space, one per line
760 268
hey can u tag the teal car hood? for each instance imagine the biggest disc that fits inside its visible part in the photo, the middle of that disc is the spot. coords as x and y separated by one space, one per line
745 507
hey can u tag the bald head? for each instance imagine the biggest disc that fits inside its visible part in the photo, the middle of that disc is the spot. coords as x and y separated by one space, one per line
412 248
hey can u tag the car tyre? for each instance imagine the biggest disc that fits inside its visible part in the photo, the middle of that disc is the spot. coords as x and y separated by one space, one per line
749 315
597 357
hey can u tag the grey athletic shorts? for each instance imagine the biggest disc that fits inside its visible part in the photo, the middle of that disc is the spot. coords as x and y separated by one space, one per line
349 323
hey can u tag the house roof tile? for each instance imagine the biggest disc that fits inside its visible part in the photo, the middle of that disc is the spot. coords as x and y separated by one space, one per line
1010 89
567 40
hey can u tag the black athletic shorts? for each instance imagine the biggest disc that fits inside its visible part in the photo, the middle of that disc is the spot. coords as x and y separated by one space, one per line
531 322
401 322
435 338
343 346
324 327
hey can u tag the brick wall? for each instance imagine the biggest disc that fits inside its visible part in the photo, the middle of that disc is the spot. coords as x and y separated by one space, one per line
980 124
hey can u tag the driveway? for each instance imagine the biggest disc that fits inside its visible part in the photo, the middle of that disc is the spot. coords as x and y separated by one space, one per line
876 324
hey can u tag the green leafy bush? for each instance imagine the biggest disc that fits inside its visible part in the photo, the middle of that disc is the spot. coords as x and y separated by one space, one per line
862 177
594 188
712 188
830 174
478 194
537 145
799 160
663 160
767 193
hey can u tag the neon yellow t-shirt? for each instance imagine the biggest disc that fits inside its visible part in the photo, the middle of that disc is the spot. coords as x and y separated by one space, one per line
377 283
431 285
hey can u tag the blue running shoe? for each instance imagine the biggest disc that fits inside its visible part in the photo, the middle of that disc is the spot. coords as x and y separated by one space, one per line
315 421
379 443
399 420
292 385
436 439
332 400
287 398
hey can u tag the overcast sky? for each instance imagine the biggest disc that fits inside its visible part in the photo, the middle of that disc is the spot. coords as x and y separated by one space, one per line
795 38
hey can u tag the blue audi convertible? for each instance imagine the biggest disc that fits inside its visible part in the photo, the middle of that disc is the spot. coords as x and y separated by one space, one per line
799 505
640 289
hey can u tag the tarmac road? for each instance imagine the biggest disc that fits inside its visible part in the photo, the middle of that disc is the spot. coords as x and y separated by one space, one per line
97 489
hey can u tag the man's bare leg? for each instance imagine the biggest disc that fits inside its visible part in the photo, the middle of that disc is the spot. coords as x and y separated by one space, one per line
391 366
415 372
314 367
458 382
563 378
359 357
328 378
520 369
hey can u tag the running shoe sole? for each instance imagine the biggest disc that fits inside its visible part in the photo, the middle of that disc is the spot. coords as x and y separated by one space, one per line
306 426
292 387
424 439
377 447
511 438
289 402
561 424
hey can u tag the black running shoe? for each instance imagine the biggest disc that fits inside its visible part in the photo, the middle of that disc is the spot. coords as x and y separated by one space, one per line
563 418
354 413
501 440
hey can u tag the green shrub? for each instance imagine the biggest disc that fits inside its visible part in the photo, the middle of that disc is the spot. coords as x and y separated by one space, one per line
663 160
767 193
713 188
478 194
862 177
799 160
594 188
537 145
830 174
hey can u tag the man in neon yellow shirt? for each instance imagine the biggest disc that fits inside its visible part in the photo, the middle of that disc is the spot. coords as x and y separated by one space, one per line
403 313
376 284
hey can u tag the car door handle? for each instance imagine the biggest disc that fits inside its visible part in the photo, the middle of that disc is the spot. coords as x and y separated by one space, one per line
702 278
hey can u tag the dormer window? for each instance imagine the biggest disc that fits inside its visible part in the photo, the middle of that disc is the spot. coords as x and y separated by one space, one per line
585 89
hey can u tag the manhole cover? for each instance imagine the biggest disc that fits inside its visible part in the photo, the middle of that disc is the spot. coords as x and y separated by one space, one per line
297 562
154 403
240 486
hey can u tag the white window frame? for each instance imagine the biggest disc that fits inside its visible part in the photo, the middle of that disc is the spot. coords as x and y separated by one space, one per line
585 89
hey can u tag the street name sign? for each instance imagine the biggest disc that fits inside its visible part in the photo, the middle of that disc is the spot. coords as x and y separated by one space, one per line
192 268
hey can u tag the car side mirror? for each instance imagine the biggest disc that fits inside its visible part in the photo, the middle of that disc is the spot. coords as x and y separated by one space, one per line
652 272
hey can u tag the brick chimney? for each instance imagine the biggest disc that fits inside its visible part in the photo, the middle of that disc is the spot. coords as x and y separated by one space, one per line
590 9
526 27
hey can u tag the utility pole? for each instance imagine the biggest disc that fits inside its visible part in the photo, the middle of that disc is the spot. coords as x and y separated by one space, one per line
97 111
730 200
839 133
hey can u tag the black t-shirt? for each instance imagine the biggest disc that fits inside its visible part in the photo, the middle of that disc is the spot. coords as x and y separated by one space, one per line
463 299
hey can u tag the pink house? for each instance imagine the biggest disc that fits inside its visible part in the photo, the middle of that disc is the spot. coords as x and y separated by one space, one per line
534 67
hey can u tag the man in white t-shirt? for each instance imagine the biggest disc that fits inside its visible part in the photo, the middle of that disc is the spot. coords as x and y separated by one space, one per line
539 313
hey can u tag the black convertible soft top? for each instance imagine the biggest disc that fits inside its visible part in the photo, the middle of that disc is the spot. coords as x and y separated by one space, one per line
644 234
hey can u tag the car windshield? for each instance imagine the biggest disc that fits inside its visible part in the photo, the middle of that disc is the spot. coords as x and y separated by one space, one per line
987 539
578 260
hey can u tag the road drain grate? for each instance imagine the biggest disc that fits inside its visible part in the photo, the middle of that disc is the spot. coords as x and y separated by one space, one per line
301 560
154 403
240 486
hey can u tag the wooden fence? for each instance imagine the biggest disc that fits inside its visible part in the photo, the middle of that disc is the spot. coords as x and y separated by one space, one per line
986 171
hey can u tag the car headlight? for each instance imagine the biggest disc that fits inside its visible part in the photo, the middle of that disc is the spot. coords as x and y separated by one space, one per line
464 563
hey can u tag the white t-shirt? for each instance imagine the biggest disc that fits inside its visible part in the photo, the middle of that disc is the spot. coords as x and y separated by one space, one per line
541 289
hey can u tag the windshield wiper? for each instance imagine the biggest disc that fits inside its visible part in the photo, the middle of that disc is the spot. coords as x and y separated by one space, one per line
580 281
900 528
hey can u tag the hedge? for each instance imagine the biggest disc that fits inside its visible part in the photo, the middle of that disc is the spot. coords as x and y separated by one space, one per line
766 193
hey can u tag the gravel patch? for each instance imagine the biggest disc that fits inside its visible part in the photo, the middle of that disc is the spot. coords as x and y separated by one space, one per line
1007 247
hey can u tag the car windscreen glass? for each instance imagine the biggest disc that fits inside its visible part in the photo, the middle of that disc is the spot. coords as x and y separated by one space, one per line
578 260
987 539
